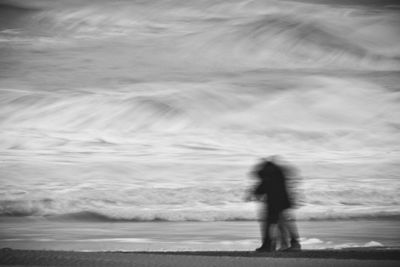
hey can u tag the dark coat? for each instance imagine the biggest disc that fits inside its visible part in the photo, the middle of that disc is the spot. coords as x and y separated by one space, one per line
272 186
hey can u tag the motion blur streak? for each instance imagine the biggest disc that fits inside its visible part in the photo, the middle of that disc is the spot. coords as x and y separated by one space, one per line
155 110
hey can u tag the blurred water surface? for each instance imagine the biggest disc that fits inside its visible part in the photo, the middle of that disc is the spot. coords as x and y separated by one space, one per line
155 110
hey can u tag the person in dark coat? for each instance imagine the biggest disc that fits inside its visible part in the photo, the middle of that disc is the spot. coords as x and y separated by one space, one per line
272 189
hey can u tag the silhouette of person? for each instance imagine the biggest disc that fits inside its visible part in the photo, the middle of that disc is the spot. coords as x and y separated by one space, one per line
272 189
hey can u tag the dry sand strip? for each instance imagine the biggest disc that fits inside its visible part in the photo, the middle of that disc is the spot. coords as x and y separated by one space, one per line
10 257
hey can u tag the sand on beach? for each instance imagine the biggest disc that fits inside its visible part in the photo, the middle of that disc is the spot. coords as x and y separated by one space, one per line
10 257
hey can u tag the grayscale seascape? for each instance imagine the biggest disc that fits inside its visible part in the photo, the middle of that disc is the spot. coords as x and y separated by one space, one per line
133 125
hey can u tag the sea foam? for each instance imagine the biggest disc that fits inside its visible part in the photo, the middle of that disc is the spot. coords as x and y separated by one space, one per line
157 110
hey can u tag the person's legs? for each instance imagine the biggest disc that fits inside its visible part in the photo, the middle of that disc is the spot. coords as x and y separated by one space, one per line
273 233
289 223
283 234
265 232
269 231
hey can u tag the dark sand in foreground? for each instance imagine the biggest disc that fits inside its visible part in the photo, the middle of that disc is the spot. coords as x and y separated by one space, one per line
354 257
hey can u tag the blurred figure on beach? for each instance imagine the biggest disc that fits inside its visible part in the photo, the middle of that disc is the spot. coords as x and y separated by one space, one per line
277 221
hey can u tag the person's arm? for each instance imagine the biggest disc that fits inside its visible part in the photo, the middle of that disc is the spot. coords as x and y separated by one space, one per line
256 193
259 190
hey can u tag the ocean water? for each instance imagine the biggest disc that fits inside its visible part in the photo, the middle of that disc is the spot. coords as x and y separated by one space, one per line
144 111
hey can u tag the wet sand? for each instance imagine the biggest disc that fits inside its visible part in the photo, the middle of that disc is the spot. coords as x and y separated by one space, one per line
38 234
346 257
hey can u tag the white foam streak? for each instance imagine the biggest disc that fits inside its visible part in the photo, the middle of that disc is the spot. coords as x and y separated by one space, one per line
308 114
156 110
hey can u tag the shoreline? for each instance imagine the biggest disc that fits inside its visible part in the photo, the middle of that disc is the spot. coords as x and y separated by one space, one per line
359 253
190 236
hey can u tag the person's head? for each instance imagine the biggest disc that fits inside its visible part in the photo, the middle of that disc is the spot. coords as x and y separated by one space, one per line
274 159
261 167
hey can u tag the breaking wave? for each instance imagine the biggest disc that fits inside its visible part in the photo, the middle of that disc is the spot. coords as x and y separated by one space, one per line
258 34
92 91
301 115
91 210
